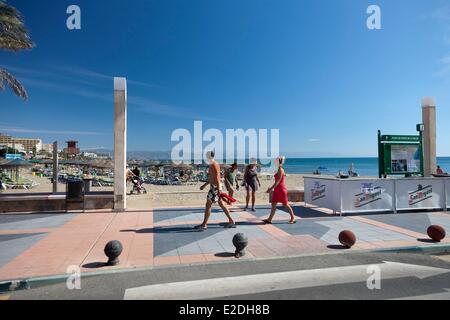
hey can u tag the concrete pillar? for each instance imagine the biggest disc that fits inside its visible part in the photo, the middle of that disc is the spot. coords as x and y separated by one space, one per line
429 135
120 143
55 167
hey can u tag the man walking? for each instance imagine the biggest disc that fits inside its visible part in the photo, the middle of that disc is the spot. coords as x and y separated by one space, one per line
214 193
231 179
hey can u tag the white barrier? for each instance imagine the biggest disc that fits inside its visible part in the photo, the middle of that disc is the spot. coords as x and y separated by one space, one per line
420 194
367 196
323 193
377 195
447 192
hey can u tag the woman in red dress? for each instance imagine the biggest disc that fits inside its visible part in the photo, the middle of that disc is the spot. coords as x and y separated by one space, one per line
280 193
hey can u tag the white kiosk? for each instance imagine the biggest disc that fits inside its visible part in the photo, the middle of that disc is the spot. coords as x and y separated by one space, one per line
359 195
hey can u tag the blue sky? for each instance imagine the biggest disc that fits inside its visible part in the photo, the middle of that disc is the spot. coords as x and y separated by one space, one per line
310 68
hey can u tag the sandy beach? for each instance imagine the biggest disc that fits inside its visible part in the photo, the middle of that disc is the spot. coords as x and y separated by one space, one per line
186 195
168 195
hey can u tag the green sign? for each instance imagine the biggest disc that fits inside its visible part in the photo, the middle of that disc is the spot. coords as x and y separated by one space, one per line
400 155
400 139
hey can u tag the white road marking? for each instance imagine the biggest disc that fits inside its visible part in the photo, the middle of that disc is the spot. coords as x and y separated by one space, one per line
232 286
433 296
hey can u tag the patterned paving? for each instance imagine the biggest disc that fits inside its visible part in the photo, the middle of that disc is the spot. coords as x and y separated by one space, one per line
417 222
12 245
46 244
34 221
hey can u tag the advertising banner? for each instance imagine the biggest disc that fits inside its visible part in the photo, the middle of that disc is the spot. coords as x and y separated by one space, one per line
420 194
367 195
323 193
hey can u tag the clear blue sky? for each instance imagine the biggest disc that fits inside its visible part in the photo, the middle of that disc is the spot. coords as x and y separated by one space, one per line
310 68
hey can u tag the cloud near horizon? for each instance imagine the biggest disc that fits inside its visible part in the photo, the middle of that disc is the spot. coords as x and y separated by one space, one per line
33 78
62 132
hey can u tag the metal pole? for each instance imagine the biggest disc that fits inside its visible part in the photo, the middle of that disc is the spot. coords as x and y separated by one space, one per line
55 167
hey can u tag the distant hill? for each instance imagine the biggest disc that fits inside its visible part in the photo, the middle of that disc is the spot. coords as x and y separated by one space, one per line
138 155
148 155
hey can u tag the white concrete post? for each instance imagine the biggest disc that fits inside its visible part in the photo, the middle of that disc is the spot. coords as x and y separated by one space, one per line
120 144
429 135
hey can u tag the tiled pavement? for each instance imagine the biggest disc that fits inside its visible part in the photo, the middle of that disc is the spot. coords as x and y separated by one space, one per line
47 244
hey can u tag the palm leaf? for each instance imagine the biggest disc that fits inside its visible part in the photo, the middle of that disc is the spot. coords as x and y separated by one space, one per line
13 83
13 34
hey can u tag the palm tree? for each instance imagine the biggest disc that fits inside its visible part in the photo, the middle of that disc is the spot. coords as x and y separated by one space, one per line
13 37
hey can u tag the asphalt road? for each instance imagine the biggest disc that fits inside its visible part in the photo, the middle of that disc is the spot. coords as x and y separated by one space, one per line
331 276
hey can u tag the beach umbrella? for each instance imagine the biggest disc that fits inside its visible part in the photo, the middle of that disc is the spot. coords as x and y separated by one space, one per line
102 164
16 164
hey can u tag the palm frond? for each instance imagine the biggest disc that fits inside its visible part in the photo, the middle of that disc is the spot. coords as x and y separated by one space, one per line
13 34
8 79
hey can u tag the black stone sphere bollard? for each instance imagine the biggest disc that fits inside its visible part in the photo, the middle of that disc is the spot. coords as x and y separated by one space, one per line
113 249
240 241
347 238
436 233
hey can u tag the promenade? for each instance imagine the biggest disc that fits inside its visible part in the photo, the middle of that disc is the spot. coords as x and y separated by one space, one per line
39 245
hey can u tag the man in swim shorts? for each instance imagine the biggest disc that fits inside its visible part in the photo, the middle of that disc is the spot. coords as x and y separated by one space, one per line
214 193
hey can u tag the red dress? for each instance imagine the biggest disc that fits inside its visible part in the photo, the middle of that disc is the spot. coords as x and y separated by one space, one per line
280 193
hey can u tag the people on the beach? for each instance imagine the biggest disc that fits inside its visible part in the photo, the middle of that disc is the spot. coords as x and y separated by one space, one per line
439 170
231 179
136 171
214 193
128 173
251 183
280 193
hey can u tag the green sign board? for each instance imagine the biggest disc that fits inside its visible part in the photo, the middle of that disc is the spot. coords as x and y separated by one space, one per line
400 155
400 139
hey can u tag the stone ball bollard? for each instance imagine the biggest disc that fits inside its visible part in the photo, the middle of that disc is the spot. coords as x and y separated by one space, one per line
240 241
347 238
436 233
113 249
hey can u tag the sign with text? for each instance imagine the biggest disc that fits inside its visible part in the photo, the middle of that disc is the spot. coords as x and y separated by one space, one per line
420 194
322 193
367 195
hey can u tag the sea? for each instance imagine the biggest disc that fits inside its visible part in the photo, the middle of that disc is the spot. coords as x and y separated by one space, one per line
363 166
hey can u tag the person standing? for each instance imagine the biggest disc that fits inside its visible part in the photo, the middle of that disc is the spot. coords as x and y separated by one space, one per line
280 193
213 194
231 179
136 172
251 182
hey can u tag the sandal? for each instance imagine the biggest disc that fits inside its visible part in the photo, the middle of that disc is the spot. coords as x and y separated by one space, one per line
293 222
200 228
230 226
266 221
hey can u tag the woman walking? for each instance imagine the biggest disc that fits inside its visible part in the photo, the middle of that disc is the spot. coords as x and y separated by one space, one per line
251 182
280 193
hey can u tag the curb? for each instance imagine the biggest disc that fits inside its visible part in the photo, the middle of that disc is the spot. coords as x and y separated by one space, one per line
432 249
26 284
